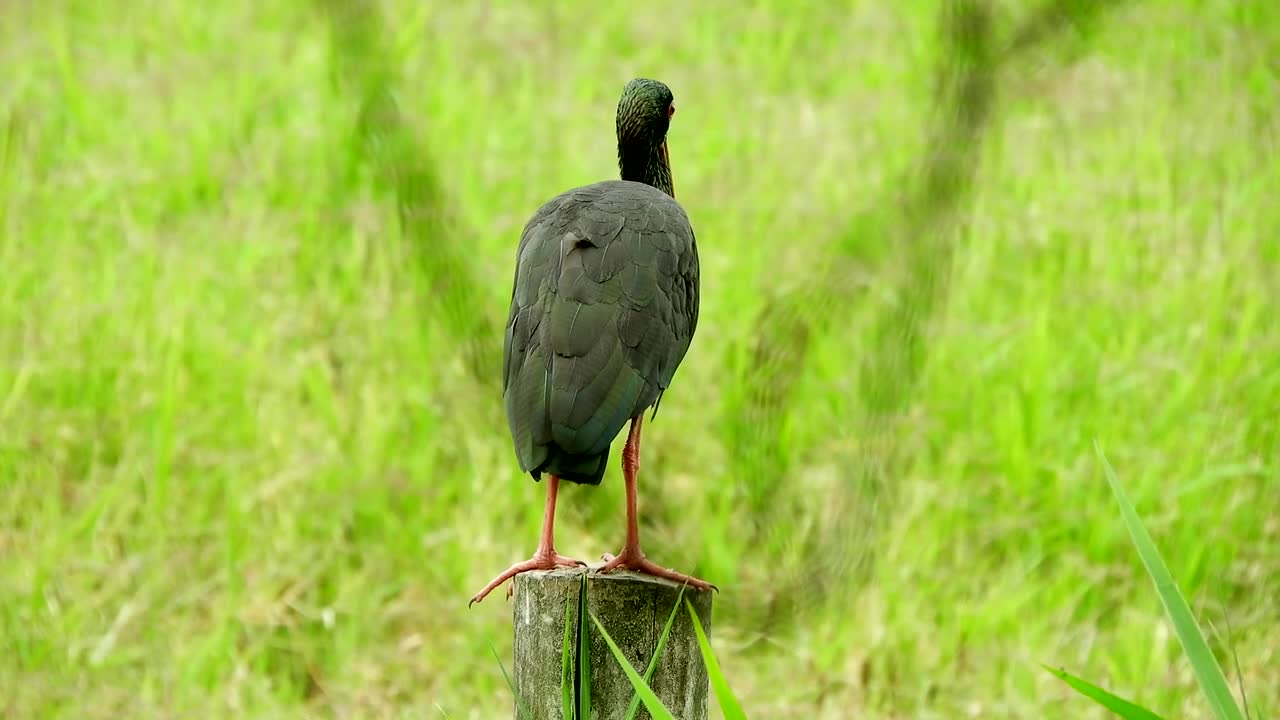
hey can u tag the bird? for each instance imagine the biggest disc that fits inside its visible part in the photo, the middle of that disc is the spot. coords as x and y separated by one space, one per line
604 305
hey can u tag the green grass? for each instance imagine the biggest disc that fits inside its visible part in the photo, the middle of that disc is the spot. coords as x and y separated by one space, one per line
1213 684
1117 705
725 697
634 706
246 468
651 701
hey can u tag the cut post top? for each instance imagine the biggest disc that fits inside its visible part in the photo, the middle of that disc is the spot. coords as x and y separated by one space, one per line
634 610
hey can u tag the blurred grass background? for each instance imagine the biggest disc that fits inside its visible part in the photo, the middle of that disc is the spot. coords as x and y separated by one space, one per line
254 261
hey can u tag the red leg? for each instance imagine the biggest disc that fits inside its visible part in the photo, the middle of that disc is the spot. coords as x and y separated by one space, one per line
632 557
545 557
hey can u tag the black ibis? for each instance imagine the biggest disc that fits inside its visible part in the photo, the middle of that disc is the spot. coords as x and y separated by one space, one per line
604 305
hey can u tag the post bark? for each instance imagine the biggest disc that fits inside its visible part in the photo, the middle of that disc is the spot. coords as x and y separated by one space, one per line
633 609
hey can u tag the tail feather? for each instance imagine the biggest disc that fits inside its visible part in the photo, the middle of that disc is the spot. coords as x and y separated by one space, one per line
580 469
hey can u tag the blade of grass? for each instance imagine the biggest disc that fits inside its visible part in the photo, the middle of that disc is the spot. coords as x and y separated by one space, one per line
647 696
521 710
634 706
566 665
1235 659
1117 705
728 703
584 655
1212 682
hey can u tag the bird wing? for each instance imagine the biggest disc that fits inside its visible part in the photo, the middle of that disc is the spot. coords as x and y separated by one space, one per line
604 305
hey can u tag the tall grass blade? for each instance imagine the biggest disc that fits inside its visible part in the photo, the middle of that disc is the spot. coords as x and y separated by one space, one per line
634 706
1212 682
647 696
1117 705
566 665
521 710
584 655
728 703
1235 660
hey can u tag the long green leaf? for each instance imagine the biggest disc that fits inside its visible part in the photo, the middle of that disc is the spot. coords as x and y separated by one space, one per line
566 665
1117 705
521 710
728 703
584 655
634 706
647 696
1212 682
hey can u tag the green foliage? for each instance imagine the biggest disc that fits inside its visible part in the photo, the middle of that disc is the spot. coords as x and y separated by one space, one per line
1115 704
1213 684
584 654
646 695
1208 673
728 701
522 710
567 693
634 705
248 468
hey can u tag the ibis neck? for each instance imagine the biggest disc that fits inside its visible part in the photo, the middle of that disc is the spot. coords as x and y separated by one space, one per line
649 165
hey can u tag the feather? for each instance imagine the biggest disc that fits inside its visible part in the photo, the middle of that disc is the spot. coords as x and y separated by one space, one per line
604 304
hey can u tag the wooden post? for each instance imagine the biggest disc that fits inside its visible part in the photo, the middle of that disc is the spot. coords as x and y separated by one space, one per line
633 609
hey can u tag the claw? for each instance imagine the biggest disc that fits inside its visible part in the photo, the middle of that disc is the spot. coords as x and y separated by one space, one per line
539 561
632 558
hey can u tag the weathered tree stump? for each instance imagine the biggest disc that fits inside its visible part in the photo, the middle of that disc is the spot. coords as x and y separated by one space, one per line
633 609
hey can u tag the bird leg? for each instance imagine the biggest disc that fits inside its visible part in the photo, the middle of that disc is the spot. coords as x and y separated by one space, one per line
632 557
545 557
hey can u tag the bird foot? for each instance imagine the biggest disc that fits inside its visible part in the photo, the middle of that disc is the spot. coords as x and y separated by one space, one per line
632 558
540 561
